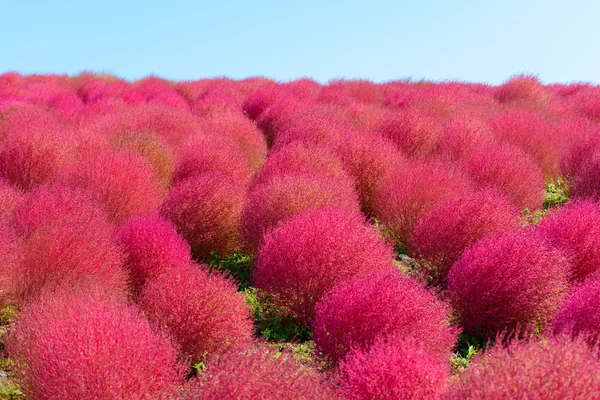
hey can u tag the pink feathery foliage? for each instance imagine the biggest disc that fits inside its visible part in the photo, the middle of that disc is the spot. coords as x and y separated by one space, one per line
415 132
300 158
370 160
442 234
9 259
551 368
587 103
579 314
307 255
235 127
532 133
83 344
35 146
392 368
462 133
275 117
578 141
66 240
575 159
283 196
152 246
586 183
207 209
521 88
362 90
201 311
305 89
215 103
367 117
101 88
359 310
412 190
575 230
122 180
510 170
9 198
258 373
263 98
210 154
508 282
156 91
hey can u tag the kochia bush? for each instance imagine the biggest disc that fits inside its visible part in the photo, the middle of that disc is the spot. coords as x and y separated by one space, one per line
9 198
359 310
579 314
307 255
413 130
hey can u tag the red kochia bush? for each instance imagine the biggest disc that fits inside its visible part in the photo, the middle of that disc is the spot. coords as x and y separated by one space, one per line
9 198
65 240
392 368
206 209
364 308
202 311
258 373
462 133
410 191
553 368
453 224
282 197
9 259
586 184
523 88
152 246
209 153
306 256
507 282
510 170
575 230
80 344
579 315
413 130
122 180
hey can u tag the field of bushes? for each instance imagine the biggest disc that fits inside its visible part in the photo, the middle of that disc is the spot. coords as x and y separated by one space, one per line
254 239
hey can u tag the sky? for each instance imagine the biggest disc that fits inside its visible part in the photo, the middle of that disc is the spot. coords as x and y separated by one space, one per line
475 41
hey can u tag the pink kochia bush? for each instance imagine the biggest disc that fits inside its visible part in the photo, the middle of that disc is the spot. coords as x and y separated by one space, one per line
392 368
82 344
510 282
552 368
258 373
202 311
510 170
585 184
9 198
575 230
122 180
152 246
579 314
414 131
66 240
412 190
272 202
306 256
521 88
206 209
457 222
9 259
358 311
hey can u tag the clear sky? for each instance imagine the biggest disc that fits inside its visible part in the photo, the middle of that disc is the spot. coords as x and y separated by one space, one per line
483 40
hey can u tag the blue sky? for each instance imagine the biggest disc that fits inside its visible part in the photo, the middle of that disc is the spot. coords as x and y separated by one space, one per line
481 41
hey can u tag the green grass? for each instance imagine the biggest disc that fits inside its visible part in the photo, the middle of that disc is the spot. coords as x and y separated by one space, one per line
237 265
556 193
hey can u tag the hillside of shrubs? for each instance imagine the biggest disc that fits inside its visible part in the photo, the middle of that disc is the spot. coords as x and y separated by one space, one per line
254 239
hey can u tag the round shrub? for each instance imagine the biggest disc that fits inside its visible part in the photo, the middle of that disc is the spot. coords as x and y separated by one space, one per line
508 282
9 198
413 130
81 344
575 230
521 88
152 247
442 234
579 313
585 185
9 259
461 134
205 153
202 311
359 310
307 255
578 154
412 190
282 197
206 210
510 170
258 373
122 180
553 368
392 368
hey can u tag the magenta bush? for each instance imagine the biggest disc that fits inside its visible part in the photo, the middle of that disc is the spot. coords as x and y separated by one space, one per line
282 197
392 368
9 198
510 282
207 209
201 311
82 344
455 223
578 314
462 133
307 255
366 307
551 368
585 184
414 131
521 88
